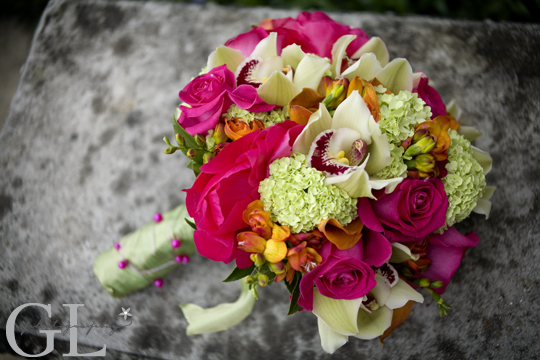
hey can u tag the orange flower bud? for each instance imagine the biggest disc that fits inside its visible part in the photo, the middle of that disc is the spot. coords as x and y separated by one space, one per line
235 128
251 242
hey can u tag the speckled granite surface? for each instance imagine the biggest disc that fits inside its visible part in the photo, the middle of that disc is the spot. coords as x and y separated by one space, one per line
81 164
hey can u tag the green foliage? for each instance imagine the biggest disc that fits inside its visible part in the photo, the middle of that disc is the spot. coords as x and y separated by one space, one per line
238 273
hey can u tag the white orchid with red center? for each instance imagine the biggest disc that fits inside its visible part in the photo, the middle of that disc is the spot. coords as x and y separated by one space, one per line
349 148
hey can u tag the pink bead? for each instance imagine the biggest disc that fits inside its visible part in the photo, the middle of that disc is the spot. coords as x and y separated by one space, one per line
122 264
175 243
178 258
117 246
185 259
158 217
158 283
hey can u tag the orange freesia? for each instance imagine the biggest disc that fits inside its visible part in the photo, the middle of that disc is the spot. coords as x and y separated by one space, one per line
303 105
303 258
251 242
447 122
288 274
275 251
315 239
434 129
368 93
344 237
280 232
236 128
258 219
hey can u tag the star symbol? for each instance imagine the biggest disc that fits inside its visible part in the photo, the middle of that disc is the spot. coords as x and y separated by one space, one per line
125 313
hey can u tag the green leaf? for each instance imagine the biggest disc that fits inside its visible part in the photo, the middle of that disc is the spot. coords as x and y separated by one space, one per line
190 140
238 274
191 223
295 294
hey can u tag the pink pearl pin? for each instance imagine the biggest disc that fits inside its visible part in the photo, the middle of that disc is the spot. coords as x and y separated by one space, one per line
122 264
117 246
158 283
178 258
185 259
175 243
158 217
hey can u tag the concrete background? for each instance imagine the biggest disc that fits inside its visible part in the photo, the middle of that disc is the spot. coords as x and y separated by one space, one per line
81 164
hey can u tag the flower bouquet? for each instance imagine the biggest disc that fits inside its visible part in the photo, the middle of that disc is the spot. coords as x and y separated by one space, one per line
324 166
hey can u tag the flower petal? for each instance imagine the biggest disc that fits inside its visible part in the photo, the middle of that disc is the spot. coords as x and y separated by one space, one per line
338 53
397 76
453 109
344 237
382 290
278 89
469 132
292 55
267 47
367 67
330 339
401 294
356 184
372 325
318 122
376 46
310 72
483 158
353 113
379 149
389 185
401 253
483 205
339 315
225 55
218 318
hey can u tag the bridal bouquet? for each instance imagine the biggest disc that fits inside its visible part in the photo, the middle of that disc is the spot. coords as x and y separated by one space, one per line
324 166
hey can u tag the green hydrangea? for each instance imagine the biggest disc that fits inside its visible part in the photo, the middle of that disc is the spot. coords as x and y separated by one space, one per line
296 195
267 118
465 181
400 113
396 168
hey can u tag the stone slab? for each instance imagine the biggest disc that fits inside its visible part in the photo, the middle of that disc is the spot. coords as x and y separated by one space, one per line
81 164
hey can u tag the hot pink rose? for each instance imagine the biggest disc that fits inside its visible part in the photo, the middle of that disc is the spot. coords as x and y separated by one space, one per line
415 209
227 184
445 252
431 97
314 32
346 274
211 95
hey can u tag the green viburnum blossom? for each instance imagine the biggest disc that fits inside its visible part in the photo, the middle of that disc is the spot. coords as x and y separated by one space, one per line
296 196
465 182
400 113
396 168
267 118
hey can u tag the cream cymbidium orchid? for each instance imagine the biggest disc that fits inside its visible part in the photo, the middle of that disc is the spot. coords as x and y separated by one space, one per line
348 148
278 79
365 318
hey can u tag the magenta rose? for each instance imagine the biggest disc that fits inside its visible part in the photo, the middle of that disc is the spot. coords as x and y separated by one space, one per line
211 95
412 211
431 97
226 186
314 32
346 274
445 252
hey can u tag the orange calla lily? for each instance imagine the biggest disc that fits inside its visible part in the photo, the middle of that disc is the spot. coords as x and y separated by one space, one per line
368 93
398 317
344 237
376 82
235 128
303 105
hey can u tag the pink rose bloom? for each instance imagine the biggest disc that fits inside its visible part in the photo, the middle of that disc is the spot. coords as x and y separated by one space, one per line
445 252
431 97
211 95
227 184
415 209
314 32
346 274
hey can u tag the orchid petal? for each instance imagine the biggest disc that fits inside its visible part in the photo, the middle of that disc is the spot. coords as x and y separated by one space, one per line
267 67
382 290
376 46
353 113
483 158
367 67
277 89
225 55
310 72
397 76
401 253
356 185
318 122
469 132
347 178
401 294
218 318
330 339
340 315
372 325
453 109
379 148
267 47
483 205
292 55
389 185
338 53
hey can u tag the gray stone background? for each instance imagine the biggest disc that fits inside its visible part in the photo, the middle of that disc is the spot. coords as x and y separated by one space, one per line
81 164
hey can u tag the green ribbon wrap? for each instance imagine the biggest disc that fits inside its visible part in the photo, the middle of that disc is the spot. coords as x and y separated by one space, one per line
148 252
